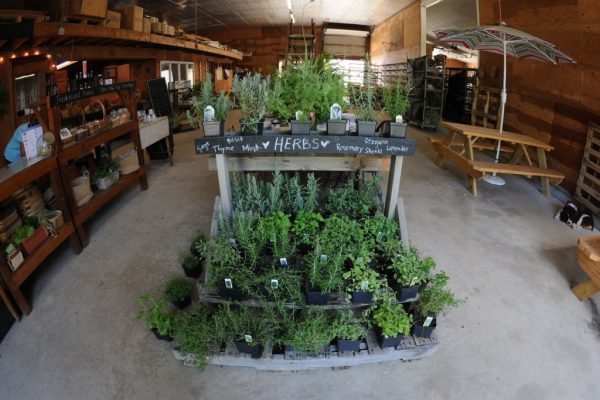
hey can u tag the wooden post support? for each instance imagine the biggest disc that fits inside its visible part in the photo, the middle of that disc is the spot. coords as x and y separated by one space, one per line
541 153
391 198
224 183
402 221
585 289
4 296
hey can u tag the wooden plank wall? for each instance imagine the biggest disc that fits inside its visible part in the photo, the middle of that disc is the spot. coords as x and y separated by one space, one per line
551 103
398 38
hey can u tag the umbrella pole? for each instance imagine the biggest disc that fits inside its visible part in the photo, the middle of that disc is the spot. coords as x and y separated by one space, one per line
493 179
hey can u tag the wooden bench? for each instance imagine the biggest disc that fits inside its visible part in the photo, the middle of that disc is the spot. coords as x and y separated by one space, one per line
588 251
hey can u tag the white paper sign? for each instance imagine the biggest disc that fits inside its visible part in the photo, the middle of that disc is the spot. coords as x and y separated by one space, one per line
30 138
428 321
274 283
209 114
248 338
335 112
299 115
228 283
283 262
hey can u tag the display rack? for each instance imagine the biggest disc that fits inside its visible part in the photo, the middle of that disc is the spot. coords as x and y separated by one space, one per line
13 178
458 101
426 77
70 152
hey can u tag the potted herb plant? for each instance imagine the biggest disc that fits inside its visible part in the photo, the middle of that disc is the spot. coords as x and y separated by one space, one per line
435 299
324 274
392 322
107 174
408 271
29 236
155 315
306 228
213 121
250 328
336 125
226 271
179 291
395 101
191 264
197 334
364 99
252 93
361 281
51 220
309 333
349 332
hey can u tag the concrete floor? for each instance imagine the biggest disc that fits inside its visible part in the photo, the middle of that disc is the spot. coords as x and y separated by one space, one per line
520 335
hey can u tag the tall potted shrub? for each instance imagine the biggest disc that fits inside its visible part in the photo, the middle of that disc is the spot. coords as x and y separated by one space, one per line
213 125
252 93
395 102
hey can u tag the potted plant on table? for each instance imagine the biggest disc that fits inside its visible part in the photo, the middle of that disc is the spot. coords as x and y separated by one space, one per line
208 110
179 291
408 272
392 322
349 332
395 101
157 318
51 220
435 300
364 99
252 93
309 333
324 274
29 236
226 271
249 328
362 282
107 174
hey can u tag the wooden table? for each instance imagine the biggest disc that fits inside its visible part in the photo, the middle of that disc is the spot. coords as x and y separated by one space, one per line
464 156
588 251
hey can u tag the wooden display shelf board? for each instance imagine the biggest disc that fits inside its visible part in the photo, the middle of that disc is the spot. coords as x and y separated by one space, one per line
88 144
304 144
588 184
68 97
411 348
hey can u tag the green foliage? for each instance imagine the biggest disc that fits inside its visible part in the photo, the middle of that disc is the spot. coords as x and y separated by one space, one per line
381 232
363 97
391 318
204 96
311 193
347 327
252 245
325 271
306 226
259 323
395 98
436 299
197 334
178 288
252 93
289 286
275 229
409 269
22 233
363 278
106 168
188 260
155 315
222 106
310 332
226 262
199 246
356 203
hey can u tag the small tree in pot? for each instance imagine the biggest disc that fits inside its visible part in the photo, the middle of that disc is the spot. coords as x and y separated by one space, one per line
395 101
436 299
252 93
212 121
179 291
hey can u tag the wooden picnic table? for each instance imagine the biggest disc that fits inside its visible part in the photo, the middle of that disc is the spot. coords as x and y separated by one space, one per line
461 153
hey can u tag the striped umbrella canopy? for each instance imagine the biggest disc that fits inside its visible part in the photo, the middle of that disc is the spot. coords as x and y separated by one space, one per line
504 40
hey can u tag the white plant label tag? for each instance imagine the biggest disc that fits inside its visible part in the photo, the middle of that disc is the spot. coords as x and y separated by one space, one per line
248 338
274 283
209 114
283 262
232 241
413 281
428 321
364 285
228 283
399 119
299 115
323 258
335 112
379 235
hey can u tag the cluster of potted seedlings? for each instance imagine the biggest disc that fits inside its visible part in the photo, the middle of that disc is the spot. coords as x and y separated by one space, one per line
302 95
299 268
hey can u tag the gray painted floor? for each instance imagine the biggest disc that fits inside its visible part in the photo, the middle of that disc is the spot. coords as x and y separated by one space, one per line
521 334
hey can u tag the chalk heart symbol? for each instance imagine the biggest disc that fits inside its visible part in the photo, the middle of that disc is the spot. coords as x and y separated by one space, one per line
266 144
324 143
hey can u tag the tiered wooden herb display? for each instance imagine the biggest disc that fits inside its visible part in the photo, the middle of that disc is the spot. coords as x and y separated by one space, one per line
69 152
17 177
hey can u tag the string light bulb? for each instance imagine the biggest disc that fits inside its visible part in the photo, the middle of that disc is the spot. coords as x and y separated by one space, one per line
1 59
36 53
26 54
13 56
48 55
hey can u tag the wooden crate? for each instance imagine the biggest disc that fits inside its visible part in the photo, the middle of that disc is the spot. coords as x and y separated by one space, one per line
133 18
88 8
113 19
588 184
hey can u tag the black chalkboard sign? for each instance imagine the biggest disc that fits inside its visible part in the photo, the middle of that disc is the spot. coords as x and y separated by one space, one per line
294 144
68 97
159 96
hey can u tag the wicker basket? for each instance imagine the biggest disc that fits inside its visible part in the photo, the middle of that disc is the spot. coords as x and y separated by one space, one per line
30 201
128 162
53 224
34 241
82 190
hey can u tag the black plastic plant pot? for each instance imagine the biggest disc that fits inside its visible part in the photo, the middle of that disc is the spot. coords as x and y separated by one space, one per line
317 298
304 248
398 130
424 331
366 128
214 128
336 127
300 128
345 345
192 272
181 304
231 294
361 297
161 337
391 341
407 293
255 350
256 129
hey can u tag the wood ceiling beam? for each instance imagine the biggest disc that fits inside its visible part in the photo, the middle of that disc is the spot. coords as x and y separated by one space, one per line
16 43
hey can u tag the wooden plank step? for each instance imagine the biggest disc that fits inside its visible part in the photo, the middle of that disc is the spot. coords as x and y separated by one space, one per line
461 162
501 168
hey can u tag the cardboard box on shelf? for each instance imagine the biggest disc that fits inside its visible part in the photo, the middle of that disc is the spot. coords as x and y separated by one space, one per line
113 19
88 8
157 27
147 25
133 18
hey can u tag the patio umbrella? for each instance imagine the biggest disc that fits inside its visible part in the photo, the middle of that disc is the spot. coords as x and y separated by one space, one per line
503 40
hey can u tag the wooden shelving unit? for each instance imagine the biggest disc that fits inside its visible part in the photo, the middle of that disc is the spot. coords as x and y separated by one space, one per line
17 177
70 152
426 77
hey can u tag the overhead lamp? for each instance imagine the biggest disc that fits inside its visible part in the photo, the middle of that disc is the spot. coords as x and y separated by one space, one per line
24 77
289 4
65 64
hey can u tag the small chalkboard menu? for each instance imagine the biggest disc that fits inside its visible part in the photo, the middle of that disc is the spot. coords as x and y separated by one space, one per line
323 144
159 96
